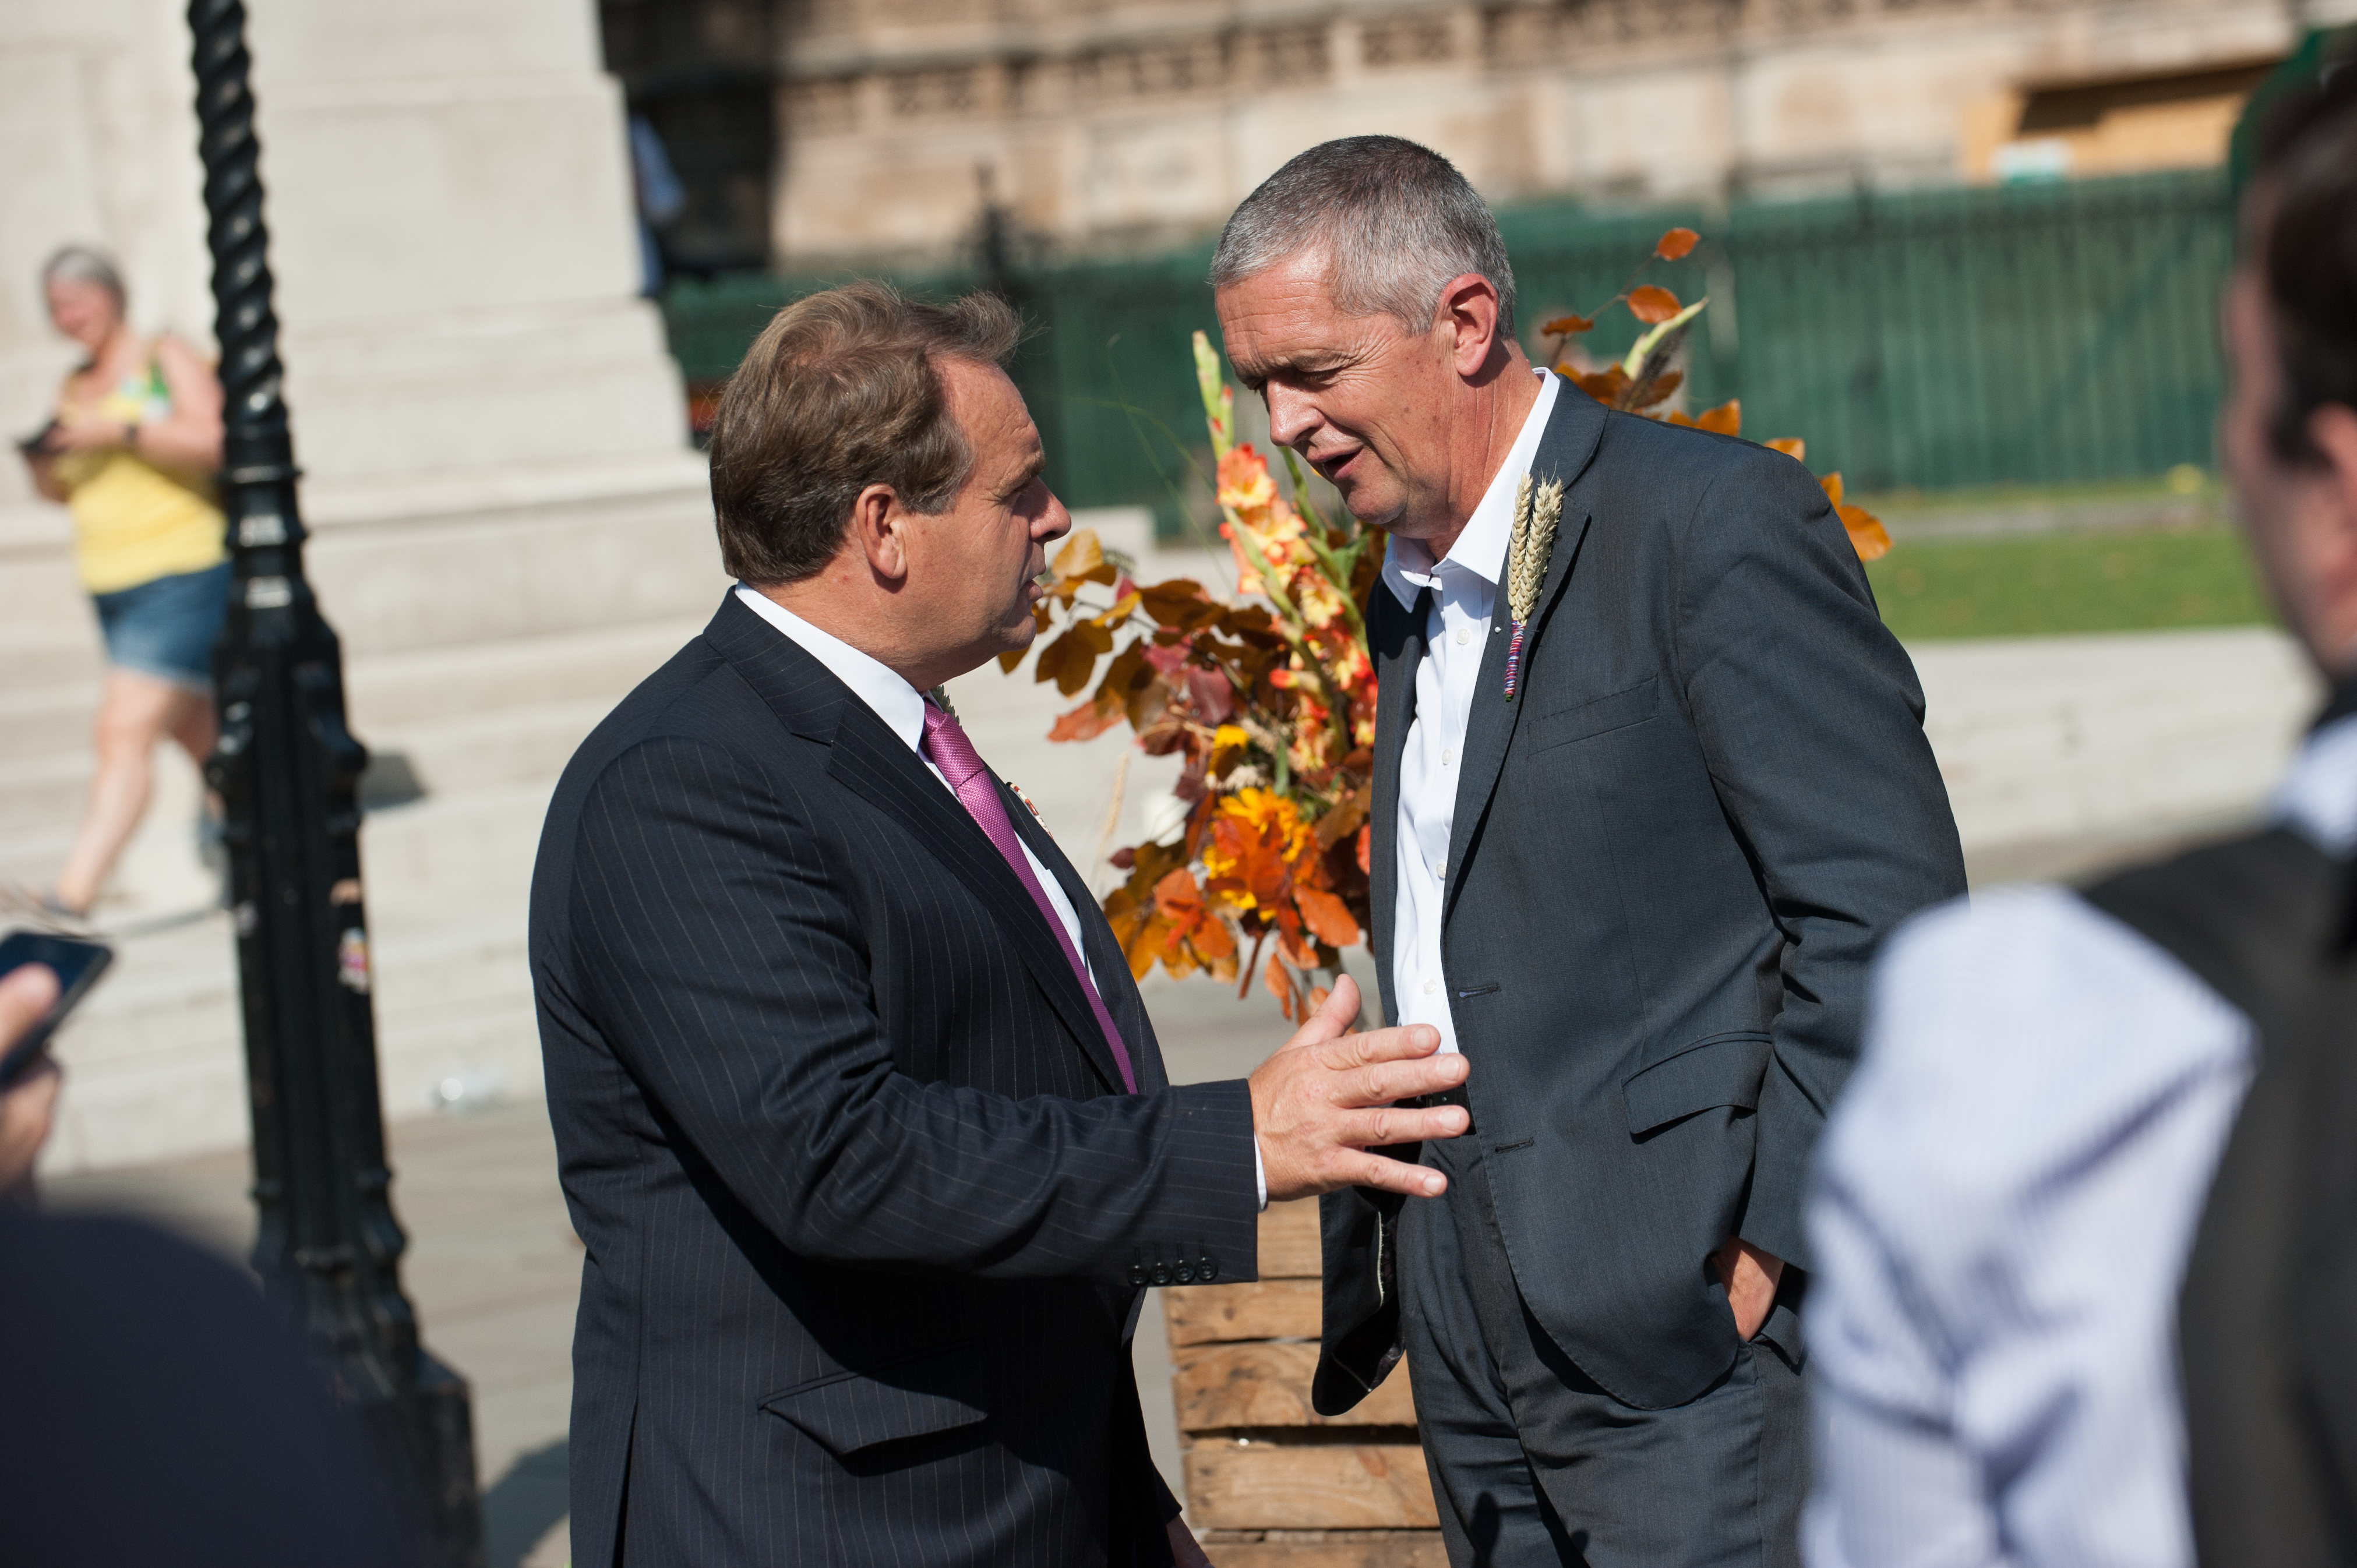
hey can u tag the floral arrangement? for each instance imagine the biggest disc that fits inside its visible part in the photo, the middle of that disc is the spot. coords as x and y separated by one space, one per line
1269 697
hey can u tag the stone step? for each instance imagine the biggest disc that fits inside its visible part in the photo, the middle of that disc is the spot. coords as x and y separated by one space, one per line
36 657
47 717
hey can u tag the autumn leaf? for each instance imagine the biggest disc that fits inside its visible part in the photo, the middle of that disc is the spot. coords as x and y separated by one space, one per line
1084 723
1010 659
1653 304
1674 244
1727 419
1328 916
1793 446
1069 660
1080 554
1179 602
1279 981
1568 326
1867 535
1831 484
1657 389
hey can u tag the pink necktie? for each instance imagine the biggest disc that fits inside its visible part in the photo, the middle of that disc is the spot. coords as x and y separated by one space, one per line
946 746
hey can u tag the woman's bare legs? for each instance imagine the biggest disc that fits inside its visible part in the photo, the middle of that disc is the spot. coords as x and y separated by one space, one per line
135 712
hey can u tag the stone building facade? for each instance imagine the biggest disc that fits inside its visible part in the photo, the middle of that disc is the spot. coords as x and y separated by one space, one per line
1114 125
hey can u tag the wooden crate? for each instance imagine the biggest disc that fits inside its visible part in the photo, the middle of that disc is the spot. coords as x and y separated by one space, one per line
1272 1483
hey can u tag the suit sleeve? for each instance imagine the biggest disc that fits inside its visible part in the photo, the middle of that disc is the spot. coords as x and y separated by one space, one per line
1812 722
728 970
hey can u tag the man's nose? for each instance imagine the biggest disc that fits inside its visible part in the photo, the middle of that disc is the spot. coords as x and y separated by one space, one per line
1054 521
1292 417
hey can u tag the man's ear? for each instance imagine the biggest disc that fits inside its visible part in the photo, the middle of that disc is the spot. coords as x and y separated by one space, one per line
1468 306
2332 430
876 521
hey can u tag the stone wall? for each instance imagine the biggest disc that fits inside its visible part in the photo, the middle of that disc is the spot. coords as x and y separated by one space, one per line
1124 122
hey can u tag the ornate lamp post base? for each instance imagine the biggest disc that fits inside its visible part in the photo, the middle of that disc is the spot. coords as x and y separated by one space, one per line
327 1246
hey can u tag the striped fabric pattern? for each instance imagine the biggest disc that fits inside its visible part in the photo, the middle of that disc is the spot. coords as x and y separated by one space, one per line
862 1200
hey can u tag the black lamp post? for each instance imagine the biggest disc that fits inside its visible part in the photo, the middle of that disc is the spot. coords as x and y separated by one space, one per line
327 1246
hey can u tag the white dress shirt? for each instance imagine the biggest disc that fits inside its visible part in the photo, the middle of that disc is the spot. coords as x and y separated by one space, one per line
1464 586
2006 1195
902 708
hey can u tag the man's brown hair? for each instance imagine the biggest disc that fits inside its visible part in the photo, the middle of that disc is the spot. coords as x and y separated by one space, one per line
843 389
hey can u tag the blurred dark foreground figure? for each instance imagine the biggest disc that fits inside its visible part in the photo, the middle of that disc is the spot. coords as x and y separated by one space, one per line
2087 1220
155 1412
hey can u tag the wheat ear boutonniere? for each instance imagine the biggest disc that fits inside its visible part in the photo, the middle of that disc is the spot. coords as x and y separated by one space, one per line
1537 510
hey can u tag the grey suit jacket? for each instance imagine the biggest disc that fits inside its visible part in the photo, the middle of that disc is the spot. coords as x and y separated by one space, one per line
1673 854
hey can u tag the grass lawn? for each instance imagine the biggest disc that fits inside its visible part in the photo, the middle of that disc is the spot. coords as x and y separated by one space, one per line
2095 581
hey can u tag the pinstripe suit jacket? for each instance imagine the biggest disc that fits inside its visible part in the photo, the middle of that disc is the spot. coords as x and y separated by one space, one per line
865 1208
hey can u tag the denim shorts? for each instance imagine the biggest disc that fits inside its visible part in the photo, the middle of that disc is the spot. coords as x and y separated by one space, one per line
166 627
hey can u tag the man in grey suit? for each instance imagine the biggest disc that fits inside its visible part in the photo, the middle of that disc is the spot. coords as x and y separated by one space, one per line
1651 781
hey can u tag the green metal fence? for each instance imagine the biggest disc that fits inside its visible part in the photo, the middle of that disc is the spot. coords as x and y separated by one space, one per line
2017 335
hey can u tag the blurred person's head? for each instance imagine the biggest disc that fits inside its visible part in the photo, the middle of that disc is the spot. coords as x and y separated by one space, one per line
1364 292
875 470
84 294
2289 432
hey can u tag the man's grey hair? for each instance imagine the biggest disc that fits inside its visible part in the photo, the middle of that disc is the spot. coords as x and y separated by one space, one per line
1394 220
82 263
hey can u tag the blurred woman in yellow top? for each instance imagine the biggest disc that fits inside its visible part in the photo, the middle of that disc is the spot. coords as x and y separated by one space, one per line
131 453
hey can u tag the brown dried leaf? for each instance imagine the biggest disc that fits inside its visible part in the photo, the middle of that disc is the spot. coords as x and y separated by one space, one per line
1568 326
1867 535
1083 723
1675 244
1653 304
1328 916
1793 446
1727 419
1080 554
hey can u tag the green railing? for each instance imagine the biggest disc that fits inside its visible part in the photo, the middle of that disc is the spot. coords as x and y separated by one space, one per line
2033 334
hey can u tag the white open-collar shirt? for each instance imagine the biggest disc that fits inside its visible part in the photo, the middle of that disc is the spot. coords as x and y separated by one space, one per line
1456 631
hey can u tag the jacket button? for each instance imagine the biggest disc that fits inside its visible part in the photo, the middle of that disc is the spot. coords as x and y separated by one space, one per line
1208 1267
1186 1272
1161 1272
1137 1274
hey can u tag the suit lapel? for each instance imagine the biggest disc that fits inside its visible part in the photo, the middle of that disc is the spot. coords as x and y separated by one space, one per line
1572 433
868 760
1398 637
1107 963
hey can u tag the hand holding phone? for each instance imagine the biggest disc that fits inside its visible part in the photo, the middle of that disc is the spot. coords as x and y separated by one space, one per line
74 965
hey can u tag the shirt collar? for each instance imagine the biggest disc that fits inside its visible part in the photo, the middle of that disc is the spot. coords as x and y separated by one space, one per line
1408 566
900 705
2319 796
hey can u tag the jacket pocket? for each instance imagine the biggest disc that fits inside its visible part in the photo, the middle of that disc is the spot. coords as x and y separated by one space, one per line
1723 1070
1582 721
851 1411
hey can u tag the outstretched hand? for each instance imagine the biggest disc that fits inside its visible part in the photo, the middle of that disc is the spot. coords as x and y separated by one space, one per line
1322 1102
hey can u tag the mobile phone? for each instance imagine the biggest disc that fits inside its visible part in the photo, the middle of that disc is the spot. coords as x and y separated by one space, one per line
78 964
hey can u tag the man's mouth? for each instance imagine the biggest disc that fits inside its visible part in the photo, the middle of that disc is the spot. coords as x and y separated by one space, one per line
1333 465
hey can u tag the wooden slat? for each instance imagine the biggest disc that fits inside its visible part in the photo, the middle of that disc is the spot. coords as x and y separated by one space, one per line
1268 1384
1275 1309
1336 1485
1357 1548
1289 1241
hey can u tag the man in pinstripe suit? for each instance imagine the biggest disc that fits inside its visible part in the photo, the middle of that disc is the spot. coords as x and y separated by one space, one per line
860 1118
